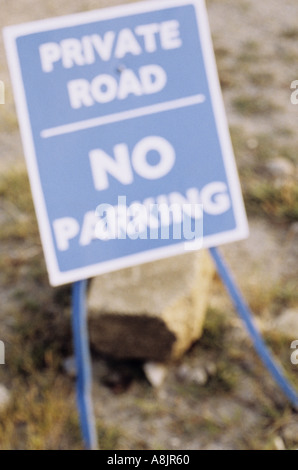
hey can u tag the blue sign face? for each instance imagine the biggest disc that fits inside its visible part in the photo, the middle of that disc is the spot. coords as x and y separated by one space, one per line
125 136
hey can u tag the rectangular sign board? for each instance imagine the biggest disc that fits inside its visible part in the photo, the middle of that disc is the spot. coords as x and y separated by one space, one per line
120 110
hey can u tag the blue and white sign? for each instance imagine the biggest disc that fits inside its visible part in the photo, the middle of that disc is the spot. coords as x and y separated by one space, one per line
121 113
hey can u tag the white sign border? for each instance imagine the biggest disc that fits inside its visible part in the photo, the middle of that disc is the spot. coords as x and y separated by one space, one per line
11 33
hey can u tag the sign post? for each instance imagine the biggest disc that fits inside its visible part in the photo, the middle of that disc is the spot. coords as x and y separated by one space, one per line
83 365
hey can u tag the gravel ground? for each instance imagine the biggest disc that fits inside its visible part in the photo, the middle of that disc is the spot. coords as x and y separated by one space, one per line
219 396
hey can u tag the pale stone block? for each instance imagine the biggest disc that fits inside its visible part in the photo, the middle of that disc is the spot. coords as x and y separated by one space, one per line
151 312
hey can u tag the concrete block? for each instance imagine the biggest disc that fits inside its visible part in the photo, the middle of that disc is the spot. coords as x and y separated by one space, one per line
151 312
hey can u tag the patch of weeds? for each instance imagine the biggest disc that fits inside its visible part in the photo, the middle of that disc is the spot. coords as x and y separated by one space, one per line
290 33
221 52
286 132
225 380
288 56
281 204
108 437
40 418
265 149
62 295
141 444
214 330
194 425
250 52
261 147
148 408
16 200
37 270
14 187
18 230
280 346
211 428
9 271
268 429
214 341
285 295
270 412
257 442
275 297
279 201
260 79
31 304
260 296
254 105
19 294
39 345
290 152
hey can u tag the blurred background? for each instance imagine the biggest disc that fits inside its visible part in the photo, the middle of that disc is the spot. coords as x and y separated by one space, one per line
218 395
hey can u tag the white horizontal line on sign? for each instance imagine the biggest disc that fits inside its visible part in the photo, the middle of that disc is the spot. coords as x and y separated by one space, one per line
123 116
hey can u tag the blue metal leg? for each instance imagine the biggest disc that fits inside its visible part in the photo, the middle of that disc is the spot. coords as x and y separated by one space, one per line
258 341
83 364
